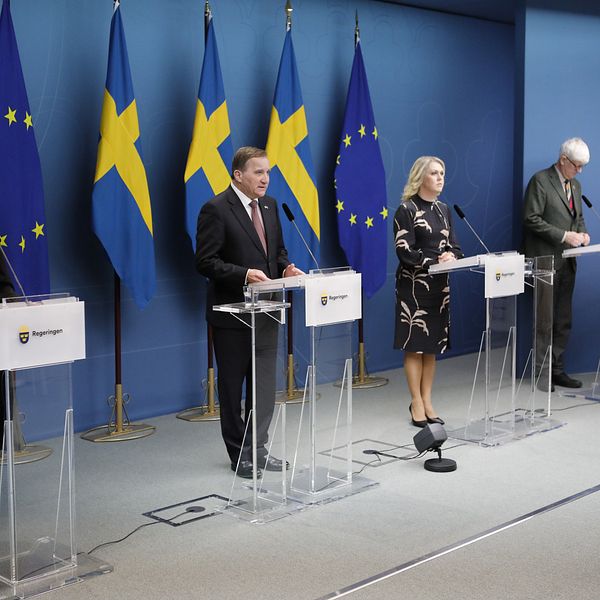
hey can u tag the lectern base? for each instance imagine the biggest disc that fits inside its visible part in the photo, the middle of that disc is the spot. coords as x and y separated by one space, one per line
106 433
495 433
592 393
325 486
41 571
268 507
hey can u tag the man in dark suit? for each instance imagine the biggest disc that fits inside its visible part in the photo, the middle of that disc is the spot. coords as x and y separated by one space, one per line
7 290
553 221
239 241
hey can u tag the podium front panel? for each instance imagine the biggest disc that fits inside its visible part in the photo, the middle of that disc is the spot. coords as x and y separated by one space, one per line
41 333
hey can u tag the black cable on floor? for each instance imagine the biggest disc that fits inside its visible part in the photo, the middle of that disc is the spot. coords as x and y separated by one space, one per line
132 532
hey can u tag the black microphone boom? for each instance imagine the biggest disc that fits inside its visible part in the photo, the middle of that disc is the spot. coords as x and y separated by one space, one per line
461 214
590 205
290 215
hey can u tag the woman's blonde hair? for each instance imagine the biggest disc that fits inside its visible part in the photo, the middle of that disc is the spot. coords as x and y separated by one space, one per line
417 174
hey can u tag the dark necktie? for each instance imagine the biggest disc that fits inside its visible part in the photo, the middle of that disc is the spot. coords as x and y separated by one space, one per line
260 230
569 194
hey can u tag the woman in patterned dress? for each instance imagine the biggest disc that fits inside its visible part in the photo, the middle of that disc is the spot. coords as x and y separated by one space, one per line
423 235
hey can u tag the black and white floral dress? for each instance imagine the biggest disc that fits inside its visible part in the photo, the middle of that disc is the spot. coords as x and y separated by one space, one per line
422 231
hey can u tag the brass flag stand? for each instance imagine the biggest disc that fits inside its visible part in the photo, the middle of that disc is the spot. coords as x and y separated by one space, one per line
119 428
362 380
23 453
210 411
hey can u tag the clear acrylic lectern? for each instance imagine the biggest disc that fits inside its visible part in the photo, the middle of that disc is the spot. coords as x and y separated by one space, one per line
491 410
593 392
39 339
319 447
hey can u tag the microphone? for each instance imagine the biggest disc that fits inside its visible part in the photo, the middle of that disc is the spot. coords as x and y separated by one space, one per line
290 215
14 275
590 205
461 214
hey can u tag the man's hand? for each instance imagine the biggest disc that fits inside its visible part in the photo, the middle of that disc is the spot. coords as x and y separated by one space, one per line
574 239
255 275
586 239
446 257
292 270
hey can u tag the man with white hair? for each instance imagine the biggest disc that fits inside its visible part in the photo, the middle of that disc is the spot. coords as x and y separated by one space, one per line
552 222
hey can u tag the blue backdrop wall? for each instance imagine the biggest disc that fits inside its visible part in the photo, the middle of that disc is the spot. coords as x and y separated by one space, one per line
440 84
561 95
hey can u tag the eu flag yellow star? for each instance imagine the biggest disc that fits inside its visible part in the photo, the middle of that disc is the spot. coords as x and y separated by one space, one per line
3 241
374 133
384 213
347 140
27 120
362 131
339 206
352 219
22 244
10 115
38 230
369 222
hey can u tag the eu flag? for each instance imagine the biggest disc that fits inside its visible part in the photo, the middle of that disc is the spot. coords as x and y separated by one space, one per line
360 185
211 152
292 173
22 214
122 215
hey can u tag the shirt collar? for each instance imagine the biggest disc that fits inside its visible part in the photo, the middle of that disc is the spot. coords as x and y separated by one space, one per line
560 176
245 200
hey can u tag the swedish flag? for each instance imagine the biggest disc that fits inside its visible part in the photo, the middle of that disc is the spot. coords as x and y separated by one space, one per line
22 214
292 173
211 152
361 198
122 215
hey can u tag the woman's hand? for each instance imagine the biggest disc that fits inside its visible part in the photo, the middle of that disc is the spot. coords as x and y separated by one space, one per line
446 257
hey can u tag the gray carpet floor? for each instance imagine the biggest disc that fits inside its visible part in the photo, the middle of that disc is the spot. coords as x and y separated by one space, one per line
411 513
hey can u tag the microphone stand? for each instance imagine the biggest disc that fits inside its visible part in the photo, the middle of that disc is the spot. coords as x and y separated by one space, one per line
590 205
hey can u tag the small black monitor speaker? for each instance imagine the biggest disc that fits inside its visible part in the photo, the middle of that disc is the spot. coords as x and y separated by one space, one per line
431 438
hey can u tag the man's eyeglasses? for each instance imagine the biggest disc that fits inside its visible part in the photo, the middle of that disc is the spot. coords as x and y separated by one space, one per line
577 167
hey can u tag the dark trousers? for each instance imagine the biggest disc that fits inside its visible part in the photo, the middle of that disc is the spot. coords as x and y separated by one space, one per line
233 351
564 283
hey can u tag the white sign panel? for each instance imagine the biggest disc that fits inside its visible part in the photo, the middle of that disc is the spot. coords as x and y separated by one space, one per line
333 298
504 275
41 333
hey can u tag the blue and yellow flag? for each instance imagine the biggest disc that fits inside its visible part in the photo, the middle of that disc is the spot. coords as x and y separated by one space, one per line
292 173
122 215
211 152
360 185
22 214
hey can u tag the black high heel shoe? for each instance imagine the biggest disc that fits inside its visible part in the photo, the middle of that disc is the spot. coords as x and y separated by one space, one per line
420 424
436 420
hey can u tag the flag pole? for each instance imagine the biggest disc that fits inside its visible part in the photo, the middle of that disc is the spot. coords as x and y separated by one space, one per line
119 428
291 394
362 380
209 411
